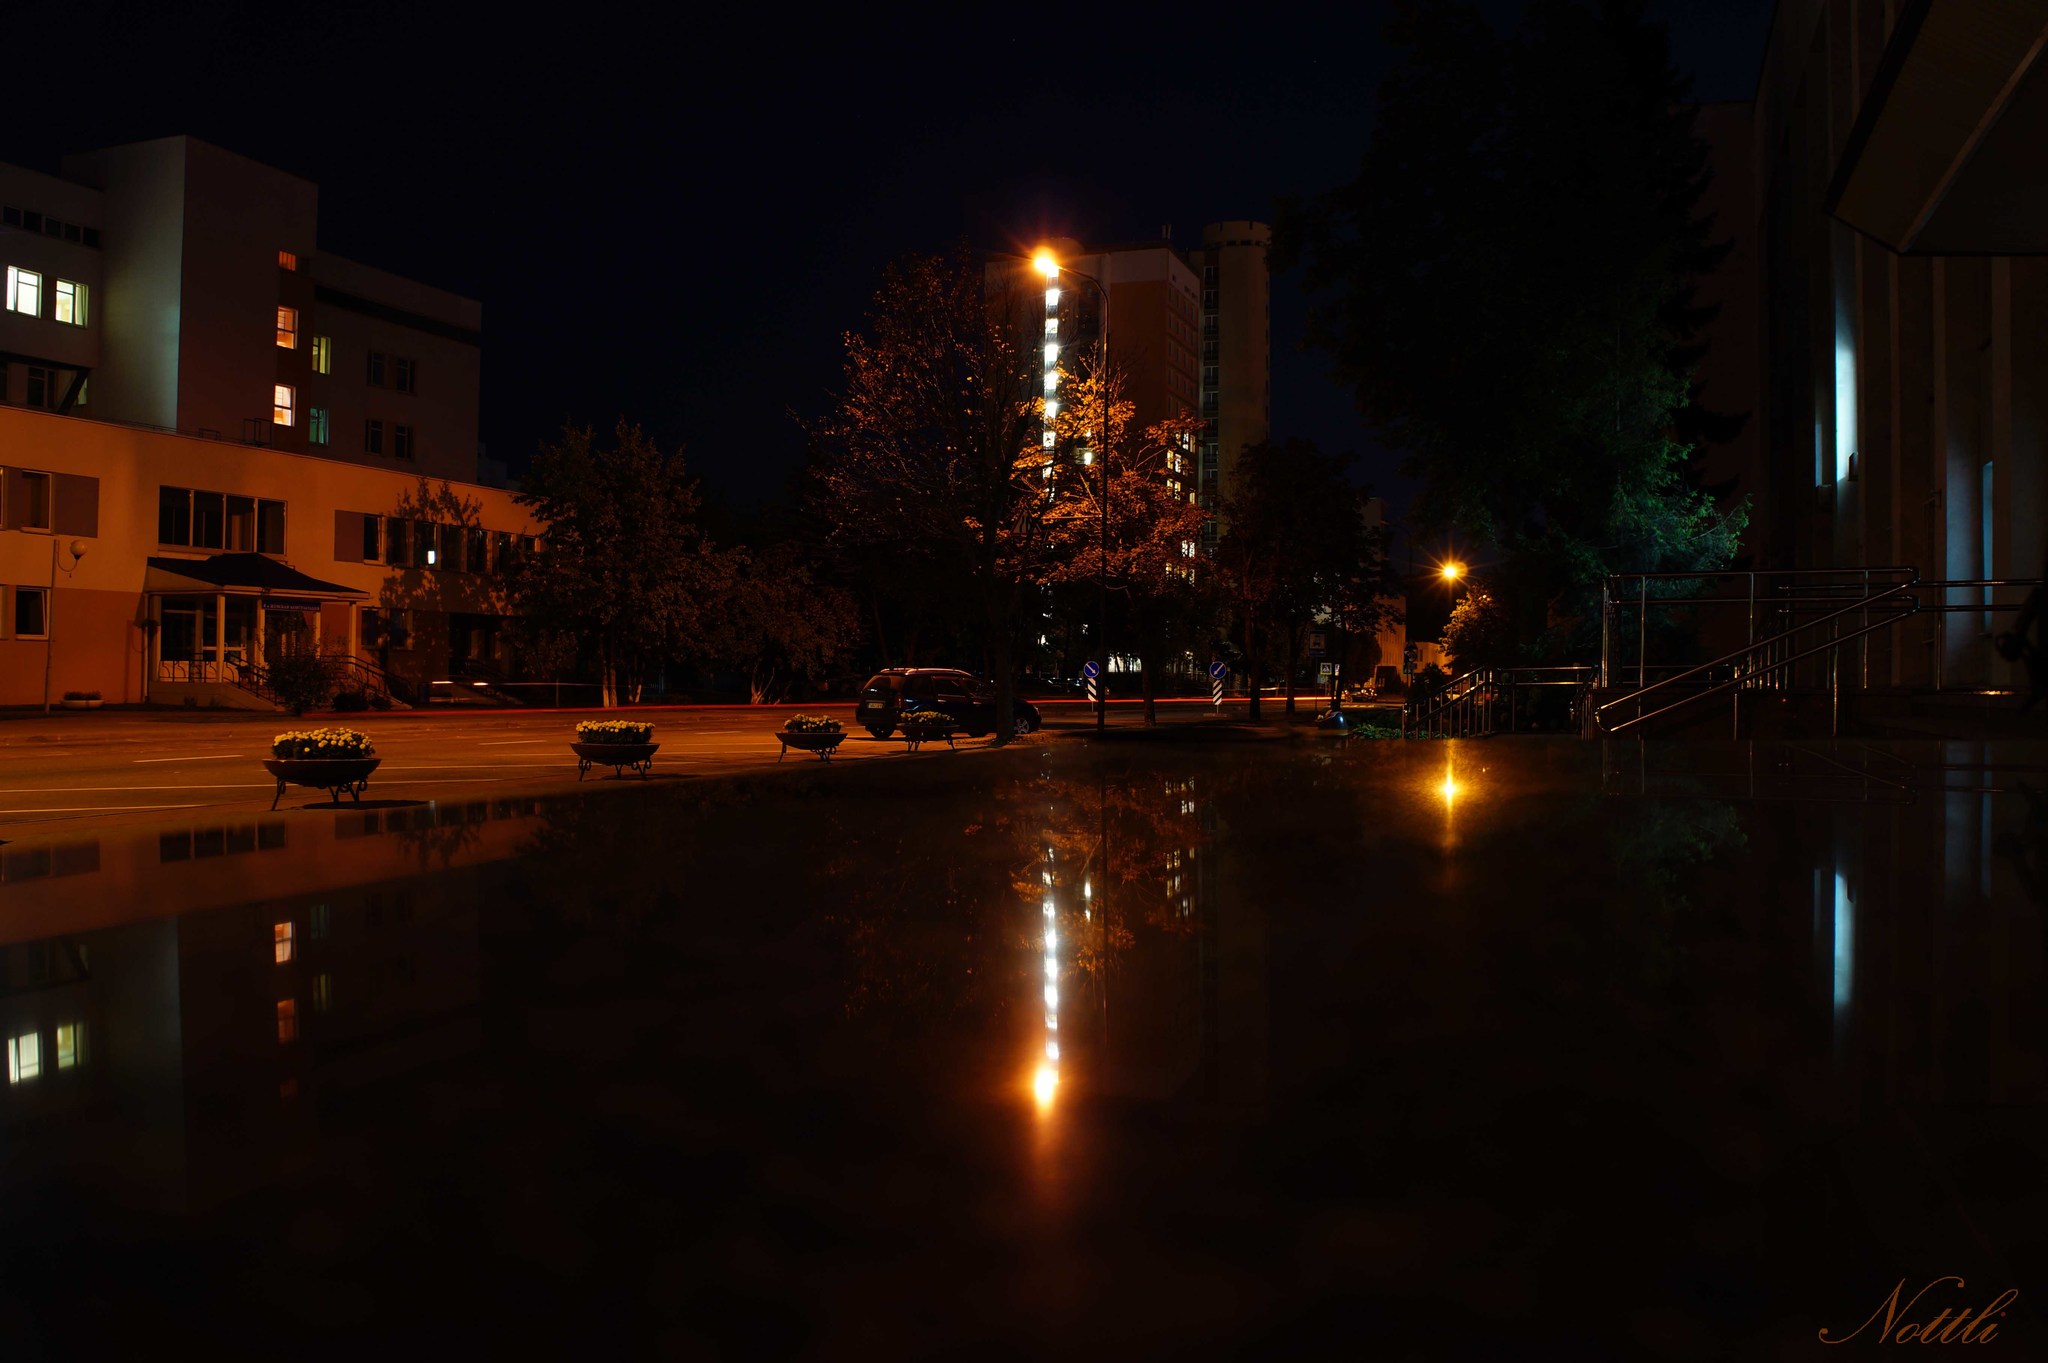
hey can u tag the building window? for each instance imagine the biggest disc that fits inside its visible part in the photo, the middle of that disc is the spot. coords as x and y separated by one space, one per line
34 511
281 941
24 291
425 542
70 1045
287 1020
287 328
373 538
397 542
476 550
42 388
288 260
316 425
373 437
376 374
401 442
31 613
282 400
24 1057
323 354
70 302
192 519
403 375
323 993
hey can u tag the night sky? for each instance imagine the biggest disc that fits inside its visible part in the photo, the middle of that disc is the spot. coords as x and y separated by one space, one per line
675 220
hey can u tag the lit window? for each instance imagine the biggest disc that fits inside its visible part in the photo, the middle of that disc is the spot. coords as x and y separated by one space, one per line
316 425
24 1057
1052 380
1052 326
323 993
70 302
1048 445
281 935
24 291
287 1020
31 613
323 354
287 328
1052 298
288 260
1052 354
1052 409
70 1045
282 400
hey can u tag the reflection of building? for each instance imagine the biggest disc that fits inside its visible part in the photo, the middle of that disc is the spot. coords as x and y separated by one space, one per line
249 439
1894 219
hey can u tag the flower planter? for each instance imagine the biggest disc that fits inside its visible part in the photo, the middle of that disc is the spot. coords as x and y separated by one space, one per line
335 775
620 757
819 741
88 704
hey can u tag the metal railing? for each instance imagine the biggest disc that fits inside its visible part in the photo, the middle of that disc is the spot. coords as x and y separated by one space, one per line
1761 663
1488 700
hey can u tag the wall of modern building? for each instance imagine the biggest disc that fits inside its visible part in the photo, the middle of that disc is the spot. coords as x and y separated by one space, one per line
1901 367
106 492
1237 346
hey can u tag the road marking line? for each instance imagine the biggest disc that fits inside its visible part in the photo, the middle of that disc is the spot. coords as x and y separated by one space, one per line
91 809
96 790
210 757
509 742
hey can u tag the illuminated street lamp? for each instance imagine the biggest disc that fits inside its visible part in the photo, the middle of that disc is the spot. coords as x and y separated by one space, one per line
1452 571
1050 266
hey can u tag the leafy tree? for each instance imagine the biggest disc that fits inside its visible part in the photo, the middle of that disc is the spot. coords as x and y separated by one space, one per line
1144 550
623 567
1508 288
1479 633
301 679
932 446
780 625
1297 550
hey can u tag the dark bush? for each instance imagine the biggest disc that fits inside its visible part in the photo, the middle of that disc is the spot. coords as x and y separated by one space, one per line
300 679
351 700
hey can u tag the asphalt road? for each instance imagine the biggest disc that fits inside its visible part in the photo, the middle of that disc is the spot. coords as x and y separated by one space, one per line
99 768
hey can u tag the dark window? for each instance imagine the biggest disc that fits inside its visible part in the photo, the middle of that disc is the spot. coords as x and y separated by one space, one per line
42 387
373 536
424 542
398 542
30 619
208 520
474 555
376 369
404 373
401 442
173 515
373 437
241 524
270 527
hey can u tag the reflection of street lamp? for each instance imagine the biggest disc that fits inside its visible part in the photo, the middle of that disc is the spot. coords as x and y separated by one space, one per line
1049 264
77 551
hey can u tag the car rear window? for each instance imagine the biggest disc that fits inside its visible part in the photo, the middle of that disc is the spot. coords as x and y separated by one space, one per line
884 683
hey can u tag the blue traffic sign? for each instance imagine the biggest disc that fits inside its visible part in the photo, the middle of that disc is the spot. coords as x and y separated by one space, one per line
1218 670
1089 670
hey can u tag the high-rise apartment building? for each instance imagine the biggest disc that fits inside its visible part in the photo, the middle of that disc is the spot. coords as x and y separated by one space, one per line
216 439
189 294
1190 330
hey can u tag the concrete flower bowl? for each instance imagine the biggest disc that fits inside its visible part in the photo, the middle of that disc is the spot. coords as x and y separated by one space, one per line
620 757
335 775
819 741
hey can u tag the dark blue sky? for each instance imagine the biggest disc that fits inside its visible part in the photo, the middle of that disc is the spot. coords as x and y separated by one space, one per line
675 220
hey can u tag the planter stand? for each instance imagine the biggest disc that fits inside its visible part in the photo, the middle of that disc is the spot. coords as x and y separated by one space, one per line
920 741
820 743
620 757
335 775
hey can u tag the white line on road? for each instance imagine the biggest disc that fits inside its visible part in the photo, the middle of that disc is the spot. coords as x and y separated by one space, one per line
98 790
509 742
210 757
91 809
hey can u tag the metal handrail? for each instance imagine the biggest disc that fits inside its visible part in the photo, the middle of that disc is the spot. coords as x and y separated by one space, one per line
1749 675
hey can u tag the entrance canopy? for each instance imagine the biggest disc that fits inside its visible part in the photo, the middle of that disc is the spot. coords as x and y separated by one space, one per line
242 575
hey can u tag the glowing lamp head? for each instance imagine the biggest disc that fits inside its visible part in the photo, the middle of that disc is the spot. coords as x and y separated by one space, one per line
1046 265
1453 570
1044 1084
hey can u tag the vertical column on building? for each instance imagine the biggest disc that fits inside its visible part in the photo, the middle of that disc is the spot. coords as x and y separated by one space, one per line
220 630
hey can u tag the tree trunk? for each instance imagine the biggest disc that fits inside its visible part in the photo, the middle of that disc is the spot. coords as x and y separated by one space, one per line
1006 684
1251 662
1293 662
1151 671
608 695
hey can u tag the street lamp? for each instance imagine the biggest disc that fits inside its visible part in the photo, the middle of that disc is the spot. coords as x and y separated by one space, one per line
1452 571
77 551
1049 264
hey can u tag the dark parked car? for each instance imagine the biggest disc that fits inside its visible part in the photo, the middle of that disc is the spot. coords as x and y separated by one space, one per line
898 691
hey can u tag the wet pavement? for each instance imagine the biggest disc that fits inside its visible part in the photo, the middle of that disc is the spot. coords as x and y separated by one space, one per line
1511 1049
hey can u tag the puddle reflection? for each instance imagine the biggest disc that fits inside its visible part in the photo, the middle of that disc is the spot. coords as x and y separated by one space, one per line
1372 1007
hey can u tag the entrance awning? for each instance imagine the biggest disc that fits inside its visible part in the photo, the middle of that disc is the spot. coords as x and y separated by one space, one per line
239 575
1945 158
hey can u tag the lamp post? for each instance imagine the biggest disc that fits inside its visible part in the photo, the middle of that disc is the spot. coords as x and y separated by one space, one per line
1048 263
77 551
